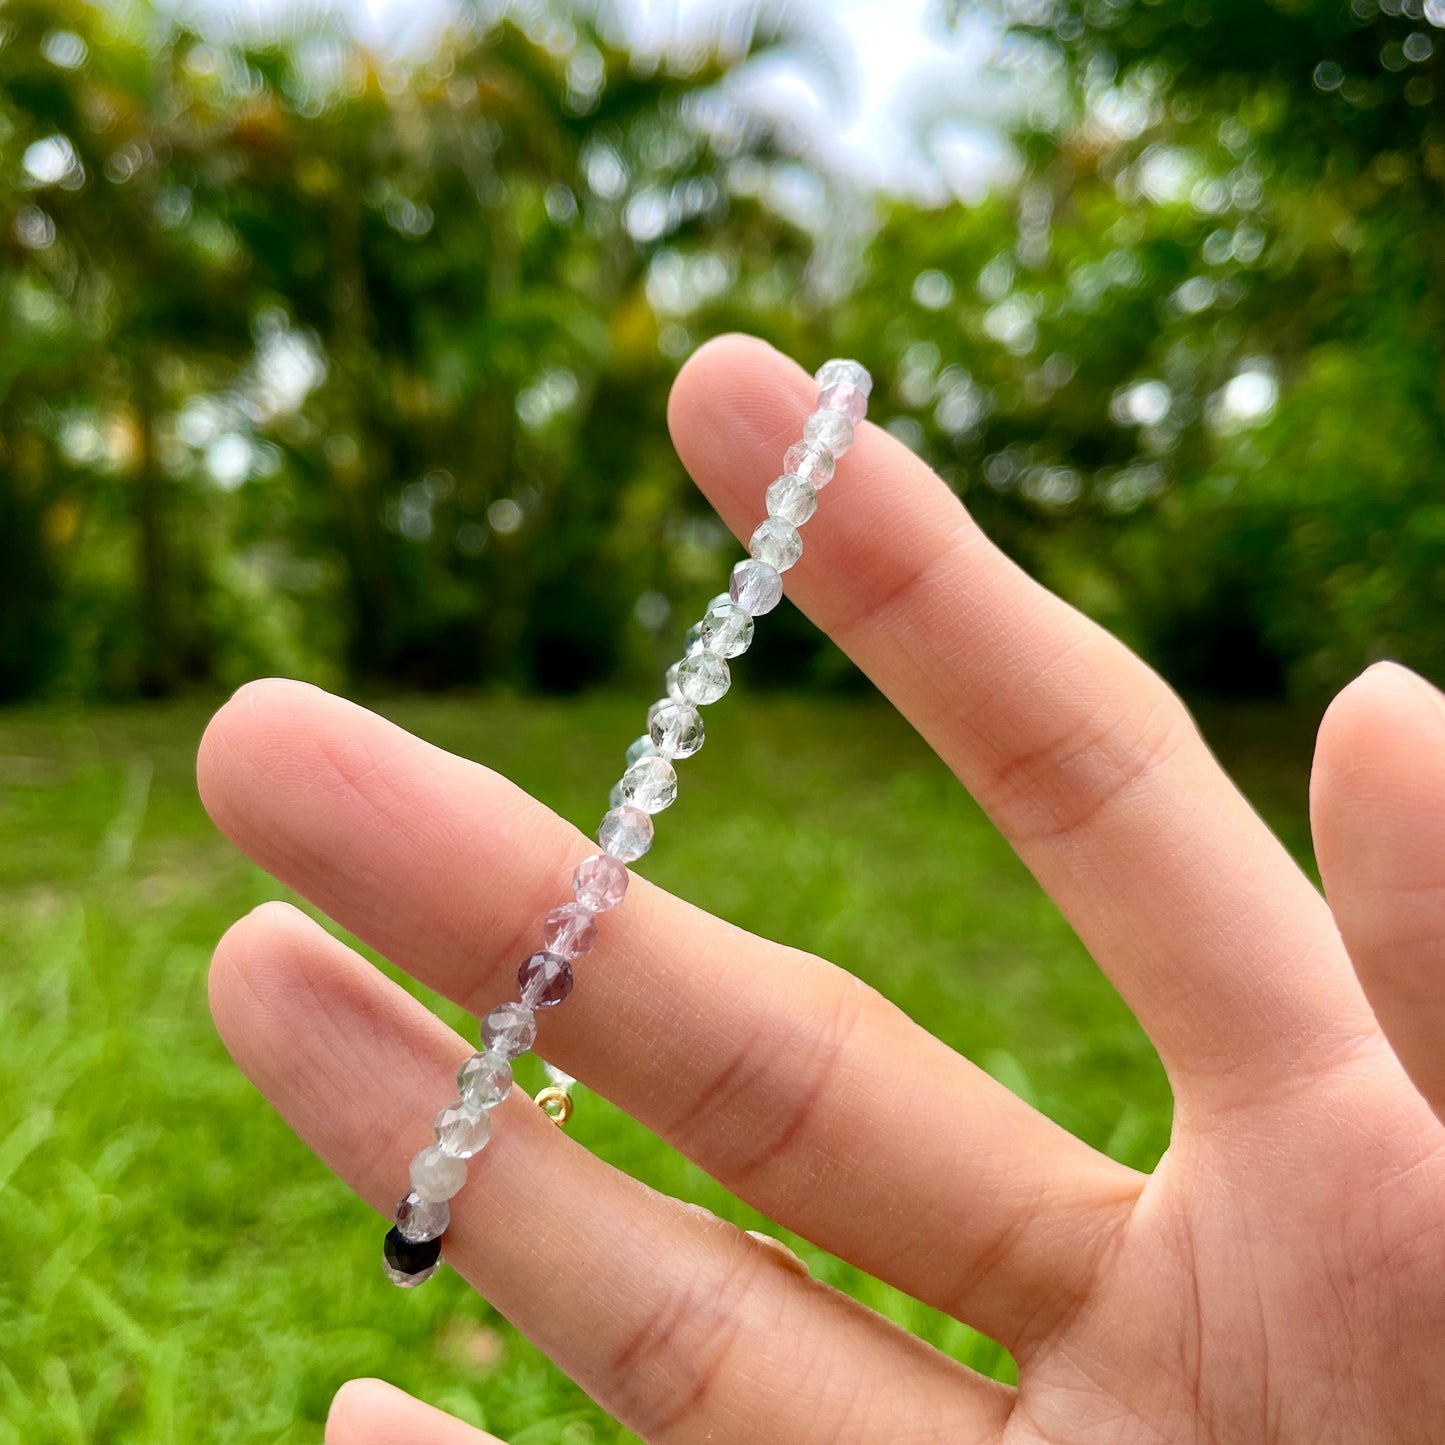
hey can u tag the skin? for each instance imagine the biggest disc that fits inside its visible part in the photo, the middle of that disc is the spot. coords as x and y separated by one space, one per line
1280 1277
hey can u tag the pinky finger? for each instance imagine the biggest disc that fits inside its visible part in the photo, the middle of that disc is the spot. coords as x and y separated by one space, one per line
371 1412
1377 800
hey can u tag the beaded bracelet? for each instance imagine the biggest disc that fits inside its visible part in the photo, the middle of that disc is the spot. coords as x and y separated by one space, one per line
674 730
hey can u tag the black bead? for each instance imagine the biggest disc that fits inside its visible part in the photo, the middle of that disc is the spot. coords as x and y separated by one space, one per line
410 1257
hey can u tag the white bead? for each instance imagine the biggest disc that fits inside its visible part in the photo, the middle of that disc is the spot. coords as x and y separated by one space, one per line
626 832
703 678
791 499
840 369
756 587
436 1175
777 543
650 784
830 429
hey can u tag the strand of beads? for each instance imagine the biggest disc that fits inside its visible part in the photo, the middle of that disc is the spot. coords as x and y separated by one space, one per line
675 731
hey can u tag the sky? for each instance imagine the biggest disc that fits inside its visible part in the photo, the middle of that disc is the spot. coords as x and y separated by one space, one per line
881 91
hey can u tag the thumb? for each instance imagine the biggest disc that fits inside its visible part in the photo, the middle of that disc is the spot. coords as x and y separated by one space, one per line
371 1412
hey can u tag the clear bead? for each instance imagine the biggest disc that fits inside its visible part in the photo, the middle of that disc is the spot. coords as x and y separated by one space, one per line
418 1219
831 430
650 784
846 399
600 882
721 597
509 1030
811 462
692 639
626 832
670 680
544 979
642 747
656 708
484 1081
678 731
614 798
436 1175
756 587
776 543
840 369
704 678
462 1132
727 629
791 499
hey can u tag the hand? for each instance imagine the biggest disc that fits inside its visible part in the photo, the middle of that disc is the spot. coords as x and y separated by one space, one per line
1279 1278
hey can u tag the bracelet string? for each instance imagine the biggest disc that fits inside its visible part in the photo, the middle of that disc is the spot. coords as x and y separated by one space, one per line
675 730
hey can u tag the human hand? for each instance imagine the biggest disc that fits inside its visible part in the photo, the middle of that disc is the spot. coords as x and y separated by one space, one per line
1279 1277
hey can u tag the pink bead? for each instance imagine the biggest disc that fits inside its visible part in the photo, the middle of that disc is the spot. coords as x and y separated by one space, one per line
600 882
844 397
569 930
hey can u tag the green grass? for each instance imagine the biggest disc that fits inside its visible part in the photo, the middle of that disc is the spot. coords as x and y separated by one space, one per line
178 1268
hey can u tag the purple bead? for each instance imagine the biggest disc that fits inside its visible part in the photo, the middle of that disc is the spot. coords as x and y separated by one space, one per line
570 930
848 399
600 881
544 980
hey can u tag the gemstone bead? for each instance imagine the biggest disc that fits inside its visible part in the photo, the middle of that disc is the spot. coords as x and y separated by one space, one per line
777 544
408 1262
703 678
484 1081
840 369
830 429
436 1175
692 639
727 629
678 732
462 1132
600 882
509 1030
674 690
791 499
570 929
656 708
642 747
650 784
846 398
544 980
626 832
756 587
811 462
614 798
418 1219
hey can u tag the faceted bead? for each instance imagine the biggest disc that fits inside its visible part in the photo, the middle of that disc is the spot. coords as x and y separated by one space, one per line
570 929
650 784
408 1262
462 1132
844 398
678 732
721 597
418 1219
656 708
614 798
436 1175
626 832
831 430
692 639
642 747
777 544
840 369
791 499
727 629
674 691
545 980
484 1081
600 882
811 462
703 678
509 1030
756 587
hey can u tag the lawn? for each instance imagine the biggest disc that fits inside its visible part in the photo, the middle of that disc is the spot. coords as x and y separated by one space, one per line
180 1269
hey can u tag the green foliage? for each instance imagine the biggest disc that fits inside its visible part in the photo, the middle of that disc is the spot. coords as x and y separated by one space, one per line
180 1267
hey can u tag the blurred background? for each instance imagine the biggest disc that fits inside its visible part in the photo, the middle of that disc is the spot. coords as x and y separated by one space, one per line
336 342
